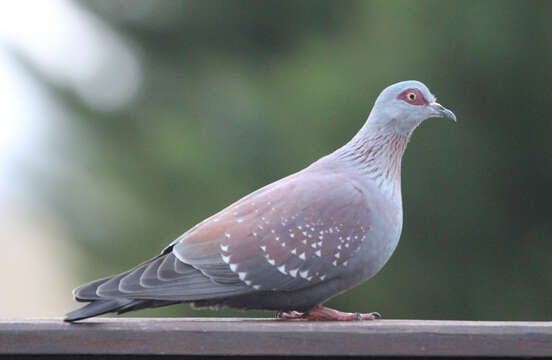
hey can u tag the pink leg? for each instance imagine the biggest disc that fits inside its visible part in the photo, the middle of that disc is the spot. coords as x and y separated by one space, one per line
327 314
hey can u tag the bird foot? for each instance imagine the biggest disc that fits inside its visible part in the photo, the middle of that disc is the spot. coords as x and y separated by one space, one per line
289 315
322 313
326 314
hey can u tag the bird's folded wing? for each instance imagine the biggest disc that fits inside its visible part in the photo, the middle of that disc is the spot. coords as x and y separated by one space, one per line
162 278
294 234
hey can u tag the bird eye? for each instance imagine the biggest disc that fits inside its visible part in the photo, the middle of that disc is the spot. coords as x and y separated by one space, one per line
412 97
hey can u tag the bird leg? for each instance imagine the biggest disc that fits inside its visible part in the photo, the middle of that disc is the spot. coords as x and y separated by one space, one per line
326 314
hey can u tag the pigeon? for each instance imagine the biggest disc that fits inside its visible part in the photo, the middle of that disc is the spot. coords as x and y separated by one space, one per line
295 243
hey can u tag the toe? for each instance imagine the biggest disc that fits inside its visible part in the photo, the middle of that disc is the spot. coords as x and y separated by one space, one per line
376 315
371 316
287 315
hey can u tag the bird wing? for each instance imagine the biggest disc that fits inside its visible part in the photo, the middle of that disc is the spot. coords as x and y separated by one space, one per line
292 234
289 235
162 278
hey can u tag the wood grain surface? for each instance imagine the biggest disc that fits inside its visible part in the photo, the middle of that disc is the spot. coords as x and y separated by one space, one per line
231 336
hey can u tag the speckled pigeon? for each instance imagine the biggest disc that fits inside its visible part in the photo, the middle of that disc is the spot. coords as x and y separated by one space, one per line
292 244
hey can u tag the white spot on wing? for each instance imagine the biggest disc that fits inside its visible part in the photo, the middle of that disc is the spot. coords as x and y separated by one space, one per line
304 274
318 253
270 261
233 267
302 256
294 272
226 259
224 247
242 275
282 269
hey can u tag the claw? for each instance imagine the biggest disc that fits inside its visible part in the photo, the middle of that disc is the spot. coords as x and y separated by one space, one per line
289 315
370 316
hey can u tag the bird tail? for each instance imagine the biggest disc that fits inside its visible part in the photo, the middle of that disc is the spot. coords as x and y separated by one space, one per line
118 305
98 307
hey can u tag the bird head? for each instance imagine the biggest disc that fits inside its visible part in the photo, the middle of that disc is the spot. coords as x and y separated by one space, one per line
404 105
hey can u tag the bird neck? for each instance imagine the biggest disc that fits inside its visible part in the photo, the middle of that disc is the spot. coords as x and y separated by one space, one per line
376 151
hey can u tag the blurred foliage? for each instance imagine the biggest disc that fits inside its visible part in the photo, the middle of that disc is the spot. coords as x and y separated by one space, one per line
238 94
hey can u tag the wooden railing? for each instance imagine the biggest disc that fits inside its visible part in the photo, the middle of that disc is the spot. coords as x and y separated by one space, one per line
112 337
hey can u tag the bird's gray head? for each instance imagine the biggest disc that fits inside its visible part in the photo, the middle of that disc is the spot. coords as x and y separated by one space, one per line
404 105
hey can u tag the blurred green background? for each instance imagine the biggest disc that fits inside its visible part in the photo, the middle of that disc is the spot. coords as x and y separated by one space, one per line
228 96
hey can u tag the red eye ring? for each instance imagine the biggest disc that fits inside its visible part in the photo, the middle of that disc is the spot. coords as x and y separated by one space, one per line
413 96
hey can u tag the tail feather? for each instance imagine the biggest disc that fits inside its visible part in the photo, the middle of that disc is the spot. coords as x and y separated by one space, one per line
98 307
119 306
161 281
145 304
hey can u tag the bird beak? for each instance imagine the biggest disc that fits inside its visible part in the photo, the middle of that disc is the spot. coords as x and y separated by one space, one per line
441 111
